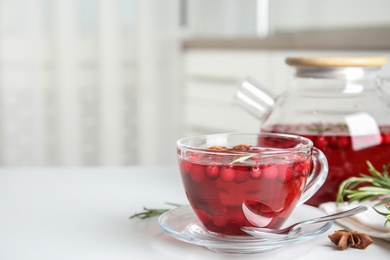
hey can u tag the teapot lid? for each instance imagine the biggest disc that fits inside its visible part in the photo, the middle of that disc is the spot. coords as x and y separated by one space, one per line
347 61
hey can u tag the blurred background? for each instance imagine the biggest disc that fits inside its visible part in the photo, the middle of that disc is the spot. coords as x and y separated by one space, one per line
117 82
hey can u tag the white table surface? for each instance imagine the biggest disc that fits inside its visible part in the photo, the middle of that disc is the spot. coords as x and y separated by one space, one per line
84 214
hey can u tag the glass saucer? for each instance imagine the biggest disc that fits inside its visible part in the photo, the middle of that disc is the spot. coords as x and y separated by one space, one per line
182 224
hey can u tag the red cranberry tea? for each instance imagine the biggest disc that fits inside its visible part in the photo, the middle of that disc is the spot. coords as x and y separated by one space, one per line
218 185
346 155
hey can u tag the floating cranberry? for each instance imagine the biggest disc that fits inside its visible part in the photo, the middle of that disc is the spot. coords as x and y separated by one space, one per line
348 168
255 172
270 172
186 167
203 215
220 220
343 142
197 173
212 172
242 175
227 173
285 173
333 141
320 142
386 138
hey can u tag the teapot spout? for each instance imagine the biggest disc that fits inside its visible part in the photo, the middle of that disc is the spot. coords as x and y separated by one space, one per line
253 98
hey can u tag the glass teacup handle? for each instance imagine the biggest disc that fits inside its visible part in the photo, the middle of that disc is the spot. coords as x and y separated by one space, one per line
317 177
254 98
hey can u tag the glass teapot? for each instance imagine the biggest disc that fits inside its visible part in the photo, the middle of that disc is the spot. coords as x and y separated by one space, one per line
338 103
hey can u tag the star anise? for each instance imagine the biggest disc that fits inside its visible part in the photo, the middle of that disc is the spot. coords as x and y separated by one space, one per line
345 238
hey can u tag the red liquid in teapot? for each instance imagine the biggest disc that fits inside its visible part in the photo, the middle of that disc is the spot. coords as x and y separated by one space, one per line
347 155
217 191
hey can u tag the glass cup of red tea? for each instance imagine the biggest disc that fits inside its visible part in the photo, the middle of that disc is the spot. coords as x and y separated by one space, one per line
235 180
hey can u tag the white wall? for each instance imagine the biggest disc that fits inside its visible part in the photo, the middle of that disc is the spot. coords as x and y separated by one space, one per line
244 18
289 15
89 82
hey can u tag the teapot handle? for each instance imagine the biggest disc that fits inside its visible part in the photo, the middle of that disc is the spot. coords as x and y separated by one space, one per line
253 98
382 82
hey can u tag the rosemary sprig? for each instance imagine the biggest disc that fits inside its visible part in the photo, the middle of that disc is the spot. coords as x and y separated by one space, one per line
385 214
148 213
320 128
241 159
368 187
